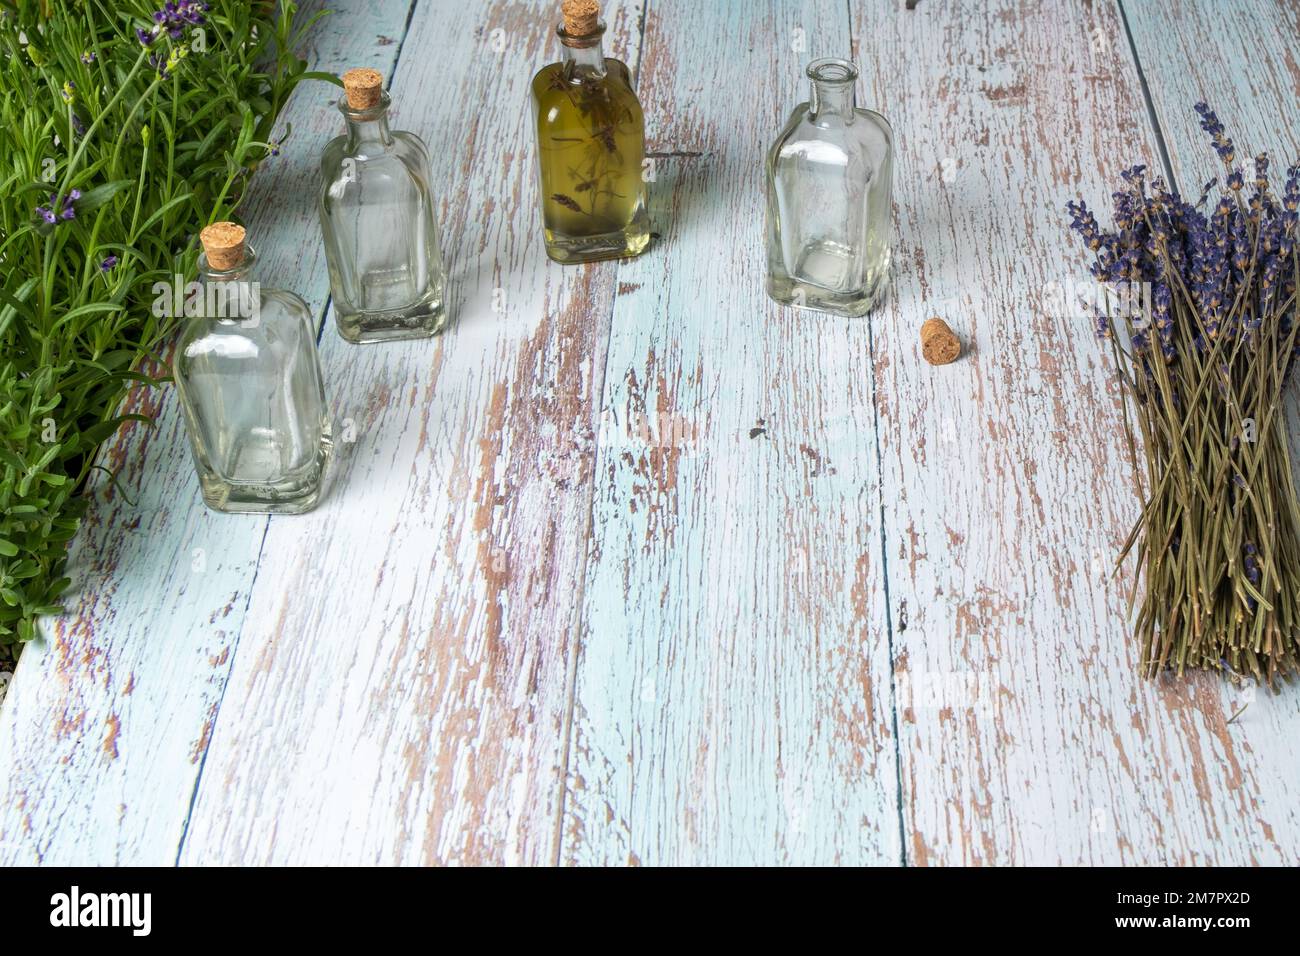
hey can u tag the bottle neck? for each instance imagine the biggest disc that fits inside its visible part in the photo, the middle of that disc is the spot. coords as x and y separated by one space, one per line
367 129
235 273
240 273
583 55
832 101
227 296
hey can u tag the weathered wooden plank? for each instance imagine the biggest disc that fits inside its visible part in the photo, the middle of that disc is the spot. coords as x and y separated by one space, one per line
1241 59
109 717
397 680
402 686
1026 736
732 699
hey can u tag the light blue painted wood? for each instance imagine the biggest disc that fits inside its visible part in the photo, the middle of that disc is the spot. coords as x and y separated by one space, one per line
404 675
109 716
733 696
1026 736
731 507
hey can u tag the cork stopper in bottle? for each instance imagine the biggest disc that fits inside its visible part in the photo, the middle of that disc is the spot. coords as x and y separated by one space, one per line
223 244
939 344
364 87
581 17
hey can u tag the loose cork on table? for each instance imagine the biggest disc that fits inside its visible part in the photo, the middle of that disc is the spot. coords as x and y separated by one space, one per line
939 344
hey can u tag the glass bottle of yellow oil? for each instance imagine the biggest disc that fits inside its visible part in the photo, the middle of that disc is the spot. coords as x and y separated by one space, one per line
590 147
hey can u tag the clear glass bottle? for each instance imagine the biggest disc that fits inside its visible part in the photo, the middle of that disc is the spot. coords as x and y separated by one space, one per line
251 386
590 147
379 224
829 206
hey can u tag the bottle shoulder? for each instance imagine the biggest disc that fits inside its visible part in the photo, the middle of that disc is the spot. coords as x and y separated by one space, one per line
879 129
412 145
286 304
335 148
403 146
544 78
553 79
869 136
400 173
793 123
619 69
218 325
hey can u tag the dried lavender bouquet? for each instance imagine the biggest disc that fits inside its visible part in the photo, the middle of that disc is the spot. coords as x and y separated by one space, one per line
1205 340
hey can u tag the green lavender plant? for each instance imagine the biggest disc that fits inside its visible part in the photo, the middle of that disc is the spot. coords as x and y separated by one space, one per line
1204 359
123 130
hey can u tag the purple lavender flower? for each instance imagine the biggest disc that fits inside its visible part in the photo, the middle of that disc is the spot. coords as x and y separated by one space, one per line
1251 562
1205 192
1103 325
1134 175
1085 224
1210 123
1223 273
1261 172
57 210
1291 196
173 18
108 263
192 12
145 37
88 57
1241 246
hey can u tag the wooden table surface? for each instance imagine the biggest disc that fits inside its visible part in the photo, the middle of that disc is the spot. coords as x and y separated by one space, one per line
634 566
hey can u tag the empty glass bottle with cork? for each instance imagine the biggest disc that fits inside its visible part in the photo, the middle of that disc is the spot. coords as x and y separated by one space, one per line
379 224
829 206
251 386
590 147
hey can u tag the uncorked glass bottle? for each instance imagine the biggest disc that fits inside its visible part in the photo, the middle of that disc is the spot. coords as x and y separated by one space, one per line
590 147
829 204
379 224
251 386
